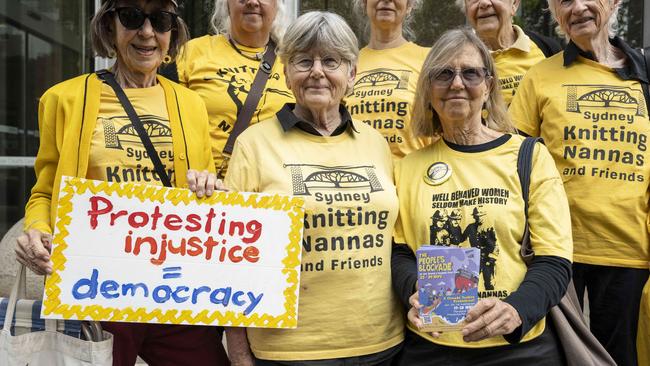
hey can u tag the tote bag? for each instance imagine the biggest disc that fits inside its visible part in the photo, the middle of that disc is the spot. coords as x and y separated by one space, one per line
47 347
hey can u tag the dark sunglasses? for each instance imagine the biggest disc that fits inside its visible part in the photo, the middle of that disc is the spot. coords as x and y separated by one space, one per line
471 76
133 18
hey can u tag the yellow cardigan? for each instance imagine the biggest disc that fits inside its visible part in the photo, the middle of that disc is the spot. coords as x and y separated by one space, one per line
67 115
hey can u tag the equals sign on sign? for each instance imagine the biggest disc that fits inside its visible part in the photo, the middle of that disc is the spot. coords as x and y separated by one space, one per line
171 273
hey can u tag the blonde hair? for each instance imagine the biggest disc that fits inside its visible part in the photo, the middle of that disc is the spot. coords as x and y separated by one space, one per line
102 33
359 11
612 22
220 19
425 122
322 30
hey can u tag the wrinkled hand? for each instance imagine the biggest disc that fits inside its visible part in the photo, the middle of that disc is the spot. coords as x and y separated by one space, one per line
489 318
33 250
204 183
414 314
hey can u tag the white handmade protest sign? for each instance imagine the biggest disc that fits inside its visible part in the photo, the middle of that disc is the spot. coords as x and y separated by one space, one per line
139 253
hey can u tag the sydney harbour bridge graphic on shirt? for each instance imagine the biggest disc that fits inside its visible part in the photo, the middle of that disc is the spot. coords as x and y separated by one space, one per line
581 97
396 79
308 177
157 128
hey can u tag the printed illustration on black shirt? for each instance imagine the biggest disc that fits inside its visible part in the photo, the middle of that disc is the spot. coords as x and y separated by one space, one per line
238 89
445 230
306 178
156 127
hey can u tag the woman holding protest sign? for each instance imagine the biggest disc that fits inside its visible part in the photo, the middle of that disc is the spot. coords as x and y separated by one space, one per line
387 72
342 168
235 70
84 126
470 177
590 104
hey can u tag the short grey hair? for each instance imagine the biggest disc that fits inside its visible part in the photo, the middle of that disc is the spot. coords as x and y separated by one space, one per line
425 121
320 30
359 10
220 19
612 22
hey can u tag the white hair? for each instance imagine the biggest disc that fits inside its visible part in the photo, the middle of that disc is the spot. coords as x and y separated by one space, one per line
359 10
612 22
320 30
220 19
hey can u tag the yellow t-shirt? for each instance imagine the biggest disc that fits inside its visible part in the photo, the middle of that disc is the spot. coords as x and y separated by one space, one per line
222 77
383 94
480 206
346 304
116 151
596 127
513 63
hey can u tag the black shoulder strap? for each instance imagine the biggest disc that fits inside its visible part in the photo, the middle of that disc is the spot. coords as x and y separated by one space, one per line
253 99
524 168
645 86
109 79
548 45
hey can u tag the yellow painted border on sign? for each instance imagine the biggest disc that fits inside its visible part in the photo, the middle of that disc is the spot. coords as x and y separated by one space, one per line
293 206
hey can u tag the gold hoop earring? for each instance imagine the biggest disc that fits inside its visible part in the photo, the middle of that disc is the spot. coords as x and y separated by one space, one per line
167 59
112 54
485 113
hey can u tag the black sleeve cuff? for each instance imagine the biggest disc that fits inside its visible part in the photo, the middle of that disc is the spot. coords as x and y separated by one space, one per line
404 272
543 287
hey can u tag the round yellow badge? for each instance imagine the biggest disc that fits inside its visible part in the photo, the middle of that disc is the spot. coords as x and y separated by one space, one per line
437 174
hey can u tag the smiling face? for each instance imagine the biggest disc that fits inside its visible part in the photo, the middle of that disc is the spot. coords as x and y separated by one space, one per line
387 12
252 16
583 20
319 88
458 102
487 17
141 51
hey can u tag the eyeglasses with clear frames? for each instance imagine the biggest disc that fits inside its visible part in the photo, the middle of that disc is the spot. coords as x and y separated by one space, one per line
306 63
471 76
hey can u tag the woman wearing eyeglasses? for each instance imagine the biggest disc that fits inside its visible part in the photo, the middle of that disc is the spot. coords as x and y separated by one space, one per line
388 72
459 100
79 123
313 149
222 68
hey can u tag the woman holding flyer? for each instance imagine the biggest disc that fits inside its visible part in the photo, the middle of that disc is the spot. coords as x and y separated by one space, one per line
80 121
313 149
469 178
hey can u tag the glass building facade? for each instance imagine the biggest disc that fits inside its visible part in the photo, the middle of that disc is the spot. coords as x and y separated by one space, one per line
43 42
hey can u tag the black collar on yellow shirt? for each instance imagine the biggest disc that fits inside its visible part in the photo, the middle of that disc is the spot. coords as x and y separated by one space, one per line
634 68
288 120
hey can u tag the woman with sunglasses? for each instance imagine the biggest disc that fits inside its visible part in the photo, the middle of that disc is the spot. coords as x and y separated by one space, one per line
470 173
78 120
389 56
221 68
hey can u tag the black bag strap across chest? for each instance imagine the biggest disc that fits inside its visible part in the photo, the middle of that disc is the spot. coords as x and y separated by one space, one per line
159 168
